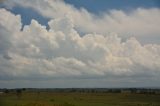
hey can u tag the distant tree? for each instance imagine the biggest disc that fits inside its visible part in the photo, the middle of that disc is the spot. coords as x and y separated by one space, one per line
23 89
6 91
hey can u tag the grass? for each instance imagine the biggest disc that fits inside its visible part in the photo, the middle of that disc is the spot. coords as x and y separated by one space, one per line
79 99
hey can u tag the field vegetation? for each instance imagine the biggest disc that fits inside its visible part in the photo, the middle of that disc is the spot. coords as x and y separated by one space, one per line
50 98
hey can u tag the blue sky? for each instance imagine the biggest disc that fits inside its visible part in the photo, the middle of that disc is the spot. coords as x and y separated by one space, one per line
105 44
93 6
96 6
28 14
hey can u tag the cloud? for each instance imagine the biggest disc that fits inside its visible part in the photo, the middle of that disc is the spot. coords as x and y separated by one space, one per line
59 52
1 1
138 22
8 30
37 53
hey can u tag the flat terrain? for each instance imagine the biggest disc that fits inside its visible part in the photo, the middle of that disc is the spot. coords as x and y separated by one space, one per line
78 99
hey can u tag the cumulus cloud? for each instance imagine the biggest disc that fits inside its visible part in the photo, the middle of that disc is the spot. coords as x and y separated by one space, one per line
35 52
59 52
140 23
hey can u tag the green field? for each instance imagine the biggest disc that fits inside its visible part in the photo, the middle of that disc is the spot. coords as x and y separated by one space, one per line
79 99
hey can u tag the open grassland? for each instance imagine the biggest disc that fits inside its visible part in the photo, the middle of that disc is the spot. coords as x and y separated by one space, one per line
78 99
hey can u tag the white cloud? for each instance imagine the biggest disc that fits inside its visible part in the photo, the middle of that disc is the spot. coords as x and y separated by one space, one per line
60 52
141 23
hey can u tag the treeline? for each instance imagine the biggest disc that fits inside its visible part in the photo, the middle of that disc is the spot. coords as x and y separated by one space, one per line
85 90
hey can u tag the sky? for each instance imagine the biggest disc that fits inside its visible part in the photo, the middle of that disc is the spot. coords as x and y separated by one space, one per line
79 43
